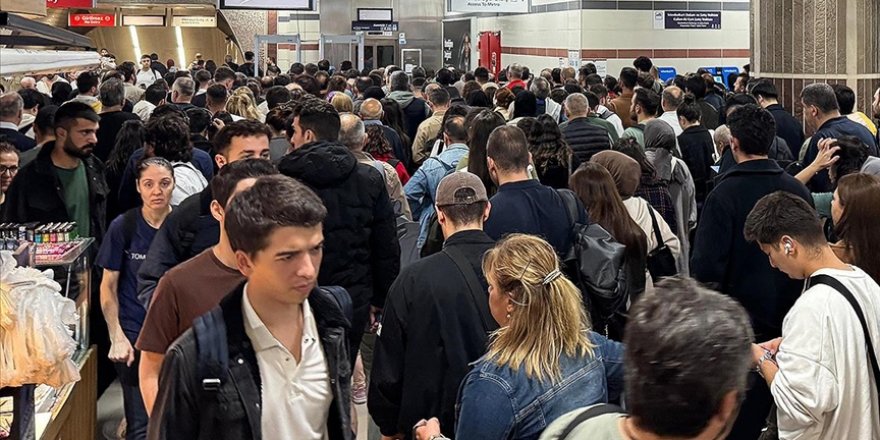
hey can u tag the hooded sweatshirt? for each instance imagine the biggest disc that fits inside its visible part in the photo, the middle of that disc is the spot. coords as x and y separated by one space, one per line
361 252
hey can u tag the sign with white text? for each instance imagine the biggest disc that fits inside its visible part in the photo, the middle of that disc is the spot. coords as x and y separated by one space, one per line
690 20
489 6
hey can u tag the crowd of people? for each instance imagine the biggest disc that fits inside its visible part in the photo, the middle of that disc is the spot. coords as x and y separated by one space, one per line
551 255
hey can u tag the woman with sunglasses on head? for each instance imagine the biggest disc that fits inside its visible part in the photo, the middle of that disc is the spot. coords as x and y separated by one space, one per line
123 250
544 360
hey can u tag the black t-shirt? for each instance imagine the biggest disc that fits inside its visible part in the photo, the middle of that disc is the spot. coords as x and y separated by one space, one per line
108 127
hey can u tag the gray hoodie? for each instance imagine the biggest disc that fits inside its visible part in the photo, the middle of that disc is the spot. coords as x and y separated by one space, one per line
402 97
871 166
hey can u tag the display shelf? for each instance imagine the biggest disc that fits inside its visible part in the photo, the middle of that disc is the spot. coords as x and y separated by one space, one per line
73 412
68 258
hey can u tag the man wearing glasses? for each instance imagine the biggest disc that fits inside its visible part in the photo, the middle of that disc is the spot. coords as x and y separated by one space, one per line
146 76
8 167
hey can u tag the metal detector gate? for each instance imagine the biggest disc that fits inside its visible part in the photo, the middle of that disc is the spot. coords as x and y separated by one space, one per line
339 48
276 39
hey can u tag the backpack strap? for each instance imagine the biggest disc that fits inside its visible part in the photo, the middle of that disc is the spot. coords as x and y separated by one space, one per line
590 413
569 199
377 165
835 284
129 227
656 228
213 350
474 287
342 298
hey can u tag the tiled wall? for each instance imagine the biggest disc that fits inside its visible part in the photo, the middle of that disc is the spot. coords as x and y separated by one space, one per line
799 42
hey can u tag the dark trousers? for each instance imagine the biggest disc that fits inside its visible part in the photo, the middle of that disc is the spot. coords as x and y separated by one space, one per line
358 325
135 414
754 410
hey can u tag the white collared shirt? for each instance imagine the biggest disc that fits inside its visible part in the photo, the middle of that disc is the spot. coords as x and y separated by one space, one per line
296 396
9 125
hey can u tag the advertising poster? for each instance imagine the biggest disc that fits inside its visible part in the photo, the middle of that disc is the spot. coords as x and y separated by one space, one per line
458 49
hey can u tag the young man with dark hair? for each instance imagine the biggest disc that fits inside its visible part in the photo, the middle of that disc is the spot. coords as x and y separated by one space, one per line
816 371
146 76
281 338
87 84
154 96
44 132
433 327
696 85
215 98
203 80
421 189
787 127
225 77
66 181
438 100
623 103
362 254
32 102
522 204
192 288
248 67
644 107
668 396
846 99
822 113
191 228
722 258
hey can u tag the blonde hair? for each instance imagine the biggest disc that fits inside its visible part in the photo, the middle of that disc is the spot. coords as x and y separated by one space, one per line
241 103
549 319
342 103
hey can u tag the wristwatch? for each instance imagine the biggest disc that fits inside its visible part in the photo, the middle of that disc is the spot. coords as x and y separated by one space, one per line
768 356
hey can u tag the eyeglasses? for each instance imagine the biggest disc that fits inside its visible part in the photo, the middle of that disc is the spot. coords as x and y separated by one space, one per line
9 171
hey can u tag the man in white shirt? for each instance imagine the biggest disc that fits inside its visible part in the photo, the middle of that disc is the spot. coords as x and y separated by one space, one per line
283 340
604 112
146 75
819 370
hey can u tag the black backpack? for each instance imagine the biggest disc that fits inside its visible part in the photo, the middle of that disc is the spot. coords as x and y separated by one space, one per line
598 266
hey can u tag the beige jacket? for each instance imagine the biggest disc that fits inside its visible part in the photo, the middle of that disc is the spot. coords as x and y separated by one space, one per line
392 184
425 136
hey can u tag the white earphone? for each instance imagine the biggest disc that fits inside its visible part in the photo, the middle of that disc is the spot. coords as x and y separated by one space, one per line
787 247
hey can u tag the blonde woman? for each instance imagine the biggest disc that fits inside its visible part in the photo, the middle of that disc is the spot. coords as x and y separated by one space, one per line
342 103
544 361
242 104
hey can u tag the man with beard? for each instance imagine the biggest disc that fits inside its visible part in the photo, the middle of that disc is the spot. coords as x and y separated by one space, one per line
65 182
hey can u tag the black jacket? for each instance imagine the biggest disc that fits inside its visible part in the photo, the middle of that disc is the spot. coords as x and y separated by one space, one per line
21 142
697 147
361 252
725 261
248 69
585 139
835 128
788 128
184 410
186 232
36 193
709 114
431 330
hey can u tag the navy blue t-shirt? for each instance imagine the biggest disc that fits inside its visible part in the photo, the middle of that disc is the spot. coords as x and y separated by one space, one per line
529 207
115 255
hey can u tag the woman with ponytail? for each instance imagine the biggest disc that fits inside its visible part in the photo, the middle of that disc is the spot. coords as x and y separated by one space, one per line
544 361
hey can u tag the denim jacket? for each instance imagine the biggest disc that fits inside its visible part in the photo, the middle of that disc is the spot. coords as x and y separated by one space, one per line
496 402
422 187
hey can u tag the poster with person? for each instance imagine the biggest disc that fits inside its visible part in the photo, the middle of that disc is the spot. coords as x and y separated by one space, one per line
458 49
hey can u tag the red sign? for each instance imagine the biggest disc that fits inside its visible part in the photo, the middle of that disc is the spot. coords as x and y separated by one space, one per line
91 20
84 4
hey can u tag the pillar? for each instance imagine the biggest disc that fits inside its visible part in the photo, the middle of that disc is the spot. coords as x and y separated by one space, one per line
798 42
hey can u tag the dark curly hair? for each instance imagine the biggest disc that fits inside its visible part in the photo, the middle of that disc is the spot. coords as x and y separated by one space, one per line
377 145
168 137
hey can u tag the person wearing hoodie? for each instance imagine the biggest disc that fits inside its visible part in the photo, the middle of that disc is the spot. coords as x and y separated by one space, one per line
415 110
87 84
841 157
659 146
361 252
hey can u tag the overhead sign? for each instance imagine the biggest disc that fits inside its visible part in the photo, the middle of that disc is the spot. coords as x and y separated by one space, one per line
91 20
687 20
143 20
205 21
267 4
374 26
375 14
489 6
83 4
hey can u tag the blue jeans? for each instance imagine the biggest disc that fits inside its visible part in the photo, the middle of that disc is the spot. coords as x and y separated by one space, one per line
135 413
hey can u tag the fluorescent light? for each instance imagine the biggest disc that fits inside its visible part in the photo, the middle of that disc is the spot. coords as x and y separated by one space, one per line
137 43
181 53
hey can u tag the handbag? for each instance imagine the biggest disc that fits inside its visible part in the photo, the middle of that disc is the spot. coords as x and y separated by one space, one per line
661 261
